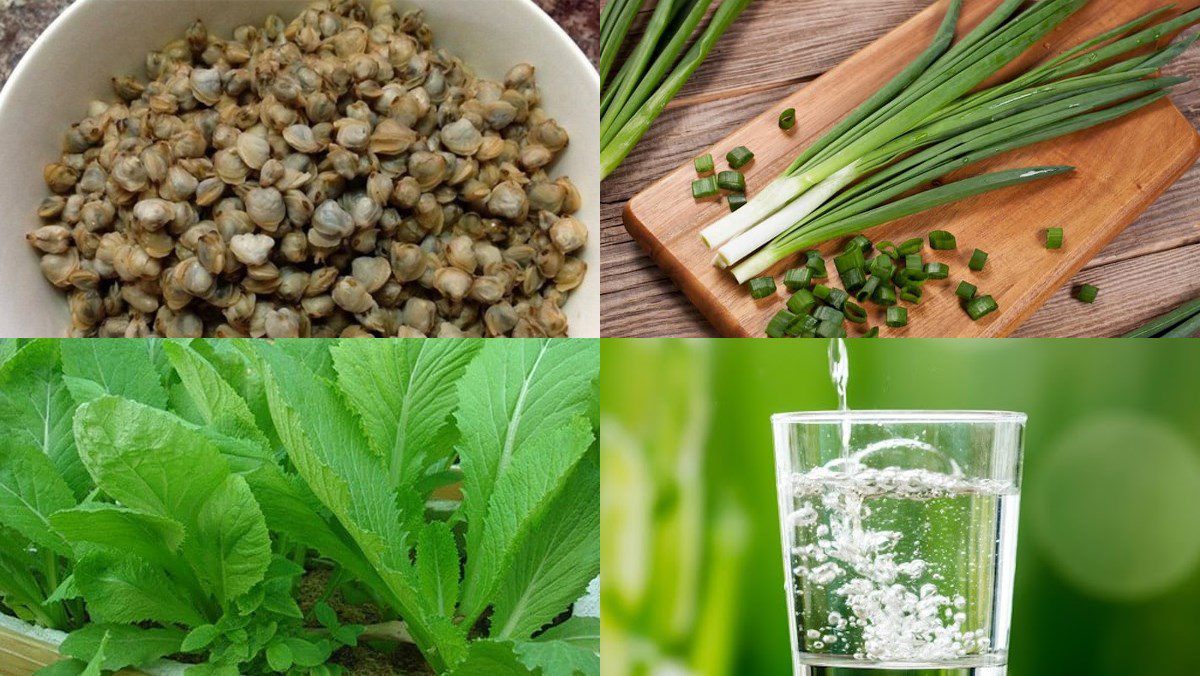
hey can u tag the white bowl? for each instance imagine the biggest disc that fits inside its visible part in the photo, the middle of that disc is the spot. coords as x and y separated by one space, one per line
72 62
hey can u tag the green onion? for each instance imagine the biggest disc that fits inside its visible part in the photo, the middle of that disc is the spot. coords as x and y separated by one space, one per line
851 260
762 287
855 313
1054 238
739 157
885 295
912 294
1087 293
787 119
933 119
897 317
822 291
910 247
829 314
802 302
655 71
980 307
859 242
837 298
779 324
805 325
868 288
831 329
940 240
1159 326
966 290
883 266
736 201
914 262
705 187
731 180
873 333
704 164
817 264
937 270
978 260
854 279
798 278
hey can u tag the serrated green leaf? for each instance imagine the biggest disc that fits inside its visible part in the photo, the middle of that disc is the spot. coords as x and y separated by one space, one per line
230 548
404 393
219 406
124 368
437 568
313 353
124 589
200 638
36 408
325 615
278 599
152 537
490 658
252 600
66 590
148 459
30 491
582 632
18 586
513 394
331 454
557 657
554 566
279 656
521 499
127 646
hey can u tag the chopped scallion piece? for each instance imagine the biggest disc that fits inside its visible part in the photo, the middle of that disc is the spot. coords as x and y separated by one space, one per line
854 279
705 187
911 246
978 260
804 325
912 294
828 314
873 333
816 264
733 181
855 313
889 249
737 200
897 317
779 324
905 276
937 270
913 262
1054 238
821 291
851 260
787 119
966 290
940 240
705 164
868 288
798 278
885 295
883 266
801 302
762 287
981 307
1087 293
861 243
739 157
831 330
838 298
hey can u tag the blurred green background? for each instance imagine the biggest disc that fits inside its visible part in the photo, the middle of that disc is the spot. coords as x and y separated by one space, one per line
1108 572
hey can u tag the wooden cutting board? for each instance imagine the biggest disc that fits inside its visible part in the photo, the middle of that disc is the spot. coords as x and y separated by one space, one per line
1121 169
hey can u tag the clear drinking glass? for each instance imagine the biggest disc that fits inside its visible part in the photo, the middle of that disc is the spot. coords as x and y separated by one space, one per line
899 539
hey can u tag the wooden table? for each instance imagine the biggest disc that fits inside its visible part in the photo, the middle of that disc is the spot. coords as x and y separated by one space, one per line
780 45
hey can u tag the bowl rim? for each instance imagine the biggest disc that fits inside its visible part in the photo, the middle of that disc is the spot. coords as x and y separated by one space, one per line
581 63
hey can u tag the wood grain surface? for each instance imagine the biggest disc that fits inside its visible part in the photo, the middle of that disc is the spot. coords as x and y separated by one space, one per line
778 49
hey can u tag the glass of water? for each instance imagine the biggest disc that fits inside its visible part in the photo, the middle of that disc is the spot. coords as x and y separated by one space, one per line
899 539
